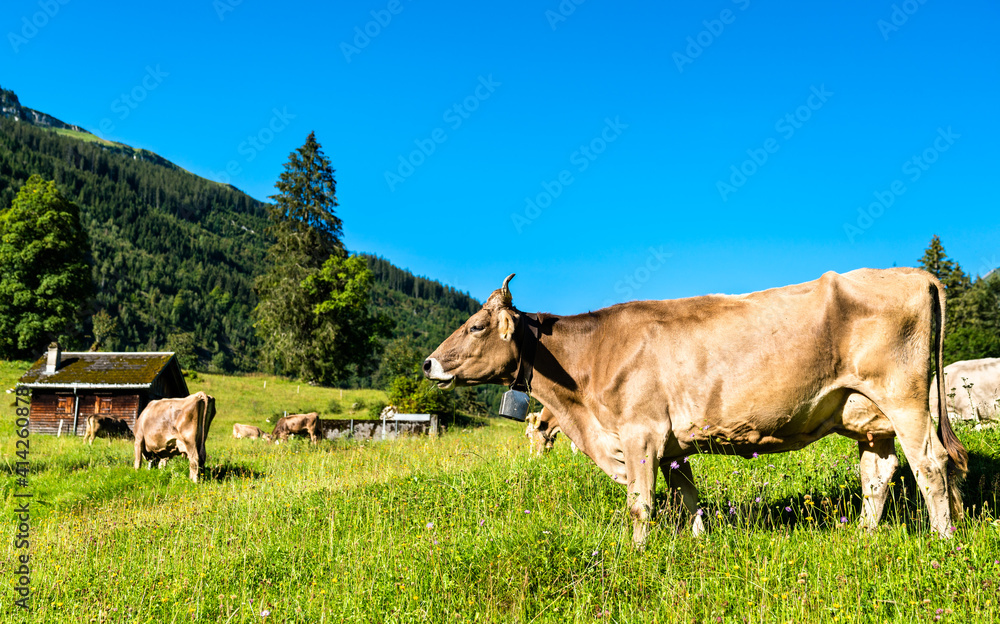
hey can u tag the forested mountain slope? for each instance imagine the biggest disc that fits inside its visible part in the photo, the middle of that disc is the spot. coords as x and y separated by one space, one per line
423 309
175 255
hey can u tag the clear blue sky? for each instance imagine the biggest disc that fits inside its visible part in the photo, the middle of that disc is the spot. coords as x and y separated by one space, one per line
674 97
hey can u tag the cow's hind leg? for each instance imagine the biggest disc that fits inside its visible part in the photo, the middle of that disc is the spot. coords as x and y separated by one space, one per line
878 462
928 459
681 479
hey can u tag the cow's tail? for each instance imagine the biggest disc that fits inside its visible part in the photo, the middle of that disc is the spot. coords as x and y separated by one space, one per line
958 465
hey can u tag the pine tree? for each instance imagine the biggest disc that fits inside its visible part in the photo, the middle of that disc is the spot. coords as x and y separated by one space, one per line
936 262
302 218
313 318
45 279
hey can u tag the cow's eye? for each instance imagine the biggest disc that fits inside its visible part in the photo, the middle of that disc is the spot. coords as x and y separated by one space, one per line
477 328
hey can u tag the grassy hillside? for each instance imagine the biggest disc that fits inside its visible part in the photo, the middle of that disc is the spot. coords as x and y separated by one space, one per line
84 136
469 527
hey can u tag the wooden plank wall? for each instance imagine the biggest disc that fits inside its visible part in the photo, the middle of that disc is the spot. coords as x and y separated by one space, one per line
47 409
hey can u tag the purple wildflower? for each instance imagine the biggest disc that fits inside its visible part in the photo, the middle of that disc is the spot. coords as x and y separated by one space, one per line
482 522
788 508
674 465
700 512
755 455
430 525
843 519
527 511
265 613
643 461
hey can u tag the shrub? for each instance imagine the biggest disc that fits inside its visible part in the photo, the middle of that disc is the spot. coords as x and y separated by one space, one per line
335 407
412 396
375 409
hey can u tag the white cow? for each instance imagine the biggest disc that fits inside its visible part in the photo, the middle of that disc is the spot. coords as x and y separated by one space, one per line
972 388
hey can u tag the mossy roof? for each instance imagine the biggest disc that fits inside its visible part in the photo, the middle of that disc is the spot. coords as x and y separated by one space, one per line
95 369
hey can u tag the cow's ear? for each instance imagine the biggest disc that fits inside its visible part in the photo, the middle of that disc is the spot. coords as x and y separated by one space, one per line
506 325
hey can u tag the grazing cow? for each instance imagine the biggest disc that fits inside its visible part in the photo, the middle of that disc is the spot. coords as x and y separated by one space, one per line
975 385
106 427
246 431
296 424
541 432
645 384
542 429
170 427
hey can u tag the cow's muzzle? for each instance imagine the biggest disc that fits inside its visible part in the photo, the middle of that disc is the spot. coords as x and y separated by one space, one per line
434 372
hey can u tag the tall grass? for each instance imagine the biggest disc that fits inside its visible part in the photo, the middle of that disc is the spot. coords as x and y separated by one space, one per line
470 528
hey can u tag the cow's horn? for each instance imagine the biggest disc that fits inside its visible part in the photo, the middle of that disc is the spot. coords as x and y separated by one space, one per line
505 290
500 298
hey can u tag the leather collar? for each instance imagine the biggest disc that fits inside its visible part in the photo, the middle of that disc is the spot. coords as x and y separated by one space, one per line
529 329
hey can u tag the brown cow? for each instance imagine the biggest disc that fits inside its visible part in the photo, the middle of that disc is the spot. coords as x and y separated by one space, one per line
106 427
295 424
645 384
170 427
246 431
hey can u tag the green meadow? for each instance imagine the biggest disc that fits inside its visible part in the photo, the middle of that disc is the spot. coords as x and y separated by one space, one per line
469 527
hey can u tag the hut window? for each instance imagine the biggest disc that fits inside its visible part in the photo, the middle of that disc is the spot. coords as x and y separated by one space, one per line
102 405
65 405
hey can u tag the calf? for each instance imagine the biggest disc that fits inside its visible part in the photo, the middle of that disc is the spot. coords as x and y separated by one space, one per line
246 431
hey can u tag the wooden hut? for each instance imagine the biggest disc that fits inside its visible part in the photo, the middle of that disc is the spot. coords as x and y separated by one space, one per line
68 387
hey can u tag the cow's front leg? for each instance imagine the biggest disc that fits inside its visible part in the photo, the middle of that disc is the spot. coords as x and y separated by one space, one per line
878 463
138 451
641 461
679 477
